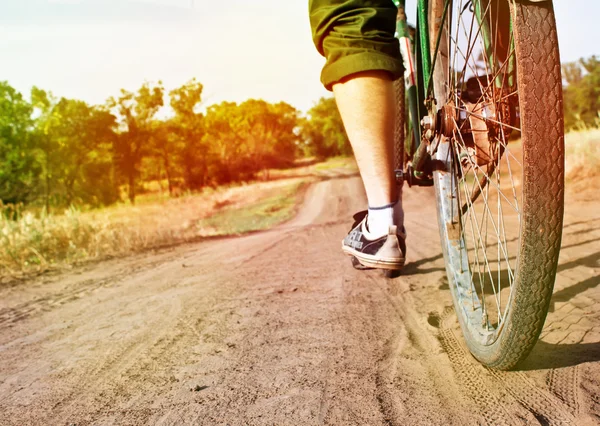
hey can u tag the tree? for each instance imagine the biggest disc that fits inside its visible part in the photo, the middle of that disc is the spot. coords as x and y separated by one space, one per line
75 143
165 148
323 131
268 130
19 167
44 103
136 113
285 135
84 135
582 92
247 138
224 141
183 140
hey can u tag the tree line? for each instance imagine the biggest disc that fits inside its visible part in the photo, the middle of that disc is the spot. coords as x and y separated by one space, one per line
57 152
581 81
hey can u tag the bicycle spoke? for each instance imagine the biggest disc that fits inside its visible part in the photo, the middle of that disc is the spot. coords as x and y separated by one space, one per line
486 205
485 192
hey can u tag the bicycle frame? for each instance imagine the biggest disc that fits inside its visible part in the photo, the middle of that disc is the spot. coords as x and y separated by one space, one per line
411 77
415 69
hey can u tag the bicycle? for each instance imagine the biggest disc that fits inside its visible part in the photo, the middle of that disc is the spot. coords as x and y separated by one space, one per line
480 118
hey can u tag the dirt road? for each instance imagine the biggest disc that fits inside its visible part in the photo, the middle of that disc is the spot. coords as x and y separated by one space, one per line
277 328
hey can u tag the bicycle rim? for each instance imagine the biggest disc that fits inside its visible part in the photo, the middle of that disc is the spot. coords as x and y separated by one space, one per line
499 200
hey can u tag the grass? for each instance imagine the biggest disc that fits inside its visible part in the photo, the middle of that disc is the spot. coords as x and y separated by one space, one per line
38 241
263 214
582 154
582 159
337 163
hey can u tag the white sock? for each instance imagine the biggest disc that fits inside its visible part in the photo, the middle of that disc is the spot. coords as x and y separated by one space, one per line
380 219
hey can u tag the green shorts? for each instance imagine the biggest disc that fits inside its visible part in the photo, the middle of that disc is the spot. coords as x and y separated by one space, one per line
355 36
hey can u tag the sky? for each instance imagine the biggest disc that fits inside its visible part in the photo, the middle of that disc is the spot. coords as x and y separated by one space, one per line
238 49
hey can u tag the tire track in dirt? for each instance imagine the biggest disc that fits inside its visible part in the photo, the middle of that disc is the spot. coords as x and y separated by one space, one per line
25 310
414 347
387 365
158 331
324 403
491 401
546 408
564 384
124 357
72 292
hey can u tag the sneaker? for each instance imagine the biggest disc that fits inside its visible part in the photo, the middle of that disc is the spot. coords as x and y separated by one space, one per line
386 252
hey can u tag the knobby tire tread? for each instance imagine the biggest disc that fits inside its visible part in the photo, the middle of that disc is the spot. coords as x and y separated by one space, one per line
540 94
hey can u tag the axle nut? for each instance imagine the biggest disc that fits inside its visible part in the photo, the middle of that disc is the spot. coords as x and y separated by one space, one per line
427 123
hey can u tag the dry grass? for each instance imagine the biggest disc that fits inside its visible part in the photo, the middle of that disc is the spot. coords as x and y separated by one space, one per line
38 242
583 155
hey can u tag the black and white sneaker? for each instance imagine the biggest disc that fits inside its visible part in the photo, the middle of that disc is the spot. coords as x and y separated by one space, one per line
385 252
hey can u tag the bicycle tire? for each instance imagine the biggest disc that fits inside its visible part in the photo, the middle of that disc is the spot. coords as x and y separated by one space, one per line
530 267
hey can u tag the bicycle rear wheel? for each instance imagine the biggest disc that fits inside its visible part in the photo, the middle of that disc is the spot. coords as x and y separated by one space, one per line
500 161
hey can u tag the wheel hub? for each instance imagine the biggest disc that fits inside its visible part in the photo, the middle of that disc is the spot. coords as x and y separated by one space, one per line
480 124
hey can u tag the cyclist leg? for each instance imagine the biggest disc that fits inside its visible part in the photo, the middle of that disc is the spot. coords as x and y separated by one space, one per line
362 59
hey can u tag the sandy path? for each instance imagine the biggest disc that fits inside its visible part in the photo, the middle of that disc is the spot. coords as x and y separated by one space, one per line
276 328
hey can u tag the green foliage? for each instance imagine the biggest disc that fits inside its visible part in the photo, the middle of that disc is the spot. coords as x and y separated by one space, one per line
58 152
582 93
136 112
19 167
323 131
263 214
76 144
182 138
247 138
